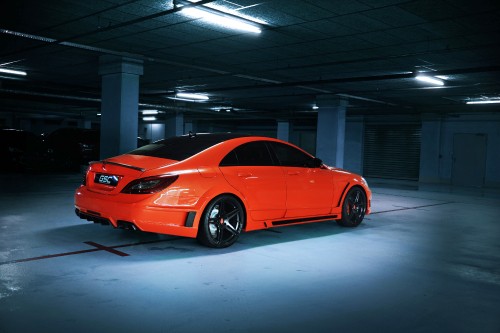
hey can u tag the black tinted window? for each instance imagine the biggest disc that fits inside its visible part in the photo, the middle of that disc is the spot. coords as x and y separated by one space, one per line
249 154
182 147
230 160
290 156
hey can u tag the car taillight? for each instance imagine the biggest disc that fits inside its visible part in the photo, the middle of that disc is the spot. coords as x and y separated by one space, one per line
149 185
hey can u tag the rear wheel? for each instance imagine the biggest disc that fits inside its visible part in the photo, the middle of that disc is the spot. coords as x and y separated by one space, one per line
221 222
353 208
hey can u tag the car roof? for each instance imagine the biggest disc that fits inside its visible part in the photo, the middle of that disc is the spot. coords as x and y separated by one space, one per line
223 136
182 147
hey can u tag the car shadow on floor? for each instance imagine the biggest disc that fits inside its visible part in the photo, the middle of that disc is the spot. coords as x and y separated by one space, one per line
149 246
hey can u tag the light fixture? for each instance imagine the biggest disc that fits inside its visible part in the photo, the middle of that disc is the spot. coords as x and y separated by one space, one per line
484 101
225 18
191 96
149 112
12 71
221 108
148 118
429 79
315 107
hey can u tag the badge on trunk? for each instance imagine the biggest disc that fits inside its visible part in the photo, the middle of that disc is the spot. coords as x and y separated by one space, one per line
110 180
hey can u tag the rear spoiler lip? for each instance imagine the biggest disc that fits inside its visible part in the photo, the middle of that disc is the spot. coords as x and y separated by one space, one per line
104 162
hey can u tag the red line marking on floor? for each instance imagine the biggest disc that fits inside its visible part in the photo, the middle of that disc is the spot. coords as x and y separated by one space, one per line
98 248
409 208
108 249
49 256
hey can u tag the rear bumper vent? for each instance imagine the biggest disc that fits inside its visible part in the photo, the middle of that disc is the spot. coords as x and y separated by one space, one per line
92 217
96 218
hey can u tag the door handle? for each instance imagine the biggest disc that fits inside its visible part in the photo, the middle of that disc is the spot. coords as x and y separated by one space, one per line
244 174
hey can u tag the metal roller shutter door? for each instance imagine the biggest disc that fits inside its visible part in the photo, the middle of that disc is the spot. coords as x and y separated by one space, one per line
392 151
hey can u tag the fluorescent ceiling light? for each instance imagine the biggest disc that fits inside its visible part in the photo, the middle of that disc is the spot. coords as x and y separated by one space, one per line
222 108
191 96
315 107
148 118
484 101
149 112
216 16
430 79
11 71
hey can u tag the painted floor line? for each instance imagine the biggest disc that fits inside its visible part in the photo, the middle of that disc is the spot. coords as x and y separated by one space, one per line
108 249
111 249
98 247
409 208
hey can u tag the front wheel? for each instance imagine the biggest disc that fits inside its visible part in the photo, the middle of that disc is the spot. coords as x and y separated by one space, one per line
353 208
221 222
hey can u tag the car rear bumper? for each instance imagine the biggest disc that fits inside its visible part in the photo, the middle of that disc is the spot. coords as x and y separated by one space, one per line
105 209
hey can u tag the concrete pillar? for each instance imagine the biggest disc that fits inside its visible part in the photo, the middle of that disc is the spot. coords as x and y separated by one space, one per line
353 145
331 130
189 127
8 120
25 124
430 151
283 130
157 132
119 105
174 125
85 123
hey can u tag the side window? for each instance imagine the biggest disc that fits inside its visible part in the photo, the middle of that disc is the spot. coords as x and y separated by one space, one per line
290 156
230 160
249 154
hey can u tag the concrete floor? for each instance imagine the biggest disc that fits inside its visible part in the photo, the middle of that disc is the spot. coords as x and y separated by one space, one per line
423 262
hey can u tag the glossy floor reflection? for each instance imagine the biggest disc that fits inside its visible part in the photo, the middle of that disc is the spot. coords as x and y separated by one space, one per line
423 262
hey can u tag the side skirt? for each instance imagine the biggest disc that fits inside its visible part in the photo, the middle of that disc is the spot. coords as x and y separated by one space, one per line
302 220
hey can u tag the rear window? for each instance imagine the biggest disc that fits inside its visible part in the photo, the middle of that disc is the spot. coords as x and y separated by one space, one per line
181 147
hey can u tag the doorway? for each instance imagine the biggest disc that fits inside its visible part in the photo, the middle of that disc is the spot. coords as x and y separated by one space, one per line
469 159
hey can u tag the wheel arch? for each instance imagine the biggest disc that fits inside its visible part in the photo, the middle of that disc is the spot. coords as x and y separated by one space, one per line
344 195
211 198
341 221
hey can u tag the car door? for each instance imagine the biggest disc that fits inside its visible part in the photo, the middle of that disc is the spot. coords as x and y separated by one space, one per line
250 169
309 186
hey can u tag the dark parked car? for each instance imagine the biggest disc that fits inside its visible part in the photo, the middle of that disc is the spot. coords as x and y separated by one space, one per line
68 148
142 142
19 149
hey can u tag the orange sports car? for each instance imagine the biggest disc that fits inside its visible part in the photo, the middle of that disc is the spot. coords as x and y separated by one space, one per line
214 186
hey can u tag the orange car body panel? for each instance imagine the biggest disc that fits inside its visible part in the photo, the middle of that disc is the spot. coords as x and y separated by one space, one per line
270 194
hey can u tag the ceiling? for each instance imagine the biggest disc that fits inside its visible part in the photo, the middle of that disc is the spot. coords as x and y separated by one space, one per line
365 51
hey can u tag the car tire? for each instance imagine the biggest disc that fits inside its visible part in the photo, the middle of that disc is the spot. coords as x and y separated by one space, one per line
221 222
353 208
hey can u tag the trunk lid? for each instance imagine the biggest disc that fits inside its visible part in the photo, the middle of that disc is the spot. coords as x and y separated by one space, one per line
111 175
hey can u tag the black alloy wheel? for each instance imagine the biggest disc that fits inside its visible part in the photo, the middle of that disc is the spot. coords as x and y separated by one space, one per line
222 222
353 208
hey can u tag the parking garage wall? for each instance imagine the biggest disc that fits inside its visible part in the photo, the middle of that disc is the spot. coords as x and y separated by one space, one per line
40 125
437 149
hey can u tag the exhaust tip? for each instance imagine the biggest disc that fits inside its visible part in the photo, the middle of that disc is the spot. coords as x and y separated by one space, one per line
127 225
